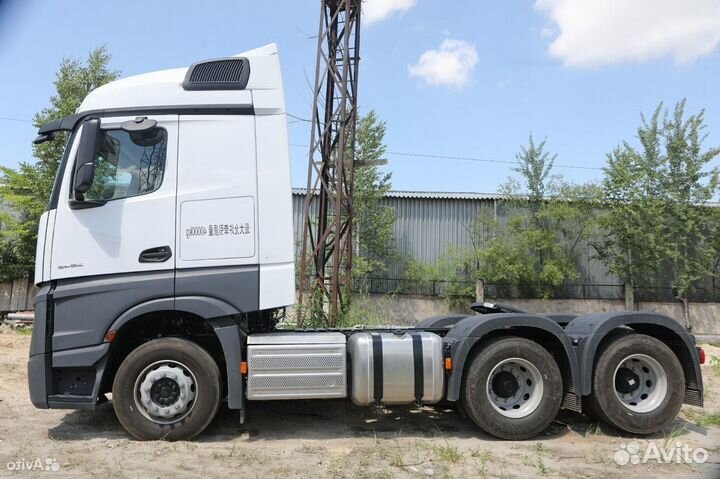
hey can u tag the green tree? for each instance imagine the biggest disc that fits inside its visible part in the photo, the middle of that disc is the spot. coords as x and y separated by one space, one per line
714 227
690 184
372 220
26 190
535 166
536 247
634 245
657 198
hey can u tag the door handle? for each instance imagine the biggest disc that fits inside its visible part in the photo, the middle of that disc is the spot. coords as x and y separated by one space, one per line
155 255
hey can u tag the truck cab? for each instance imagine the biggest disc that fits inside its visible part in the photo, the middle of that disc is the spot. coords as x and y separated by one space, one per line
173 194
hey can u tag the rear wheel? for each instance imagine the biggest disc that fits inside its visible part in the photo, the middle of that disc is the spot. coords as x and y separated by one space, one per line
513 388
167 388
638 384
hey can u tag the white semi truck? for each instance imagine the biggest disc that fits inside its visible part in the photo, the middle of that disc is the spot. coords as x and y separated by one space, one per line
165 259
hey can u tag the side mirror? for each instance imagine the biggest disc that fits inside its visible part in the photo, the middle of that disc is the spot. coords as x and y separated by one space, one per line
85 160
84 176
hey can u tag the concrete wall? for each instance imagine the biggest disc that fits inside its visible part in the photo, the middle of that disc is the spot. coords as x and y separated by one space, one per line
409 310
405 310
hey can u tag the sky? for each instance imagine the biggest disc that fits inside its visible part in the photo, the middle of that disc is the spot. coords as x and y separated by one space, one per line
463 83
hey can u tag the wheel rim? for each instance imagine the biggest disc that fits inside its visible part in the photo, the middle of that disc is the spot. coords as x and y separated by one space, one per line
165 392
515 387
640 383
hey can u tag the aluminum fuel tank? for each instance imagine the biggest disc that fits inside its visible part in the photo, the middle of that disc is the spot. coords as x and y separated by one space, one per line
396 368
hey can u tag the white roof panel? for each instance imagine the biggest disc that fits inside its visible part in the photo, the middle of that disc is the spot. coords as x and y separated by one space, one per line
264 90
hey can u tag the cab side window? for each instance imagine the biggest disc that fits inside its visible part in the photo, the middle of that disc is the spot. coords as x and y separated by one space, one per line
128 164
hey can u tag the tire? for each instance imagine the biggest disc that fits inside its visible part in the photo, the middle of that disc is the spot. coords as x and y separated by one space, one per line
489 380
633 361
182 388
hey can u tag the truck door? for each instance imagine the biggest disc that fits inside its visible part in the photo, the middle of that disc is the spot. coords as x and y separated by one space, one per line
126 223
217 210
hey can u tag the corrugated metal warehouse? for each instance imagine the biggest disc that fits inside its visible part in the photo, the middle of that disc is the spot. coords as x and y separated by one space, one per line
427 223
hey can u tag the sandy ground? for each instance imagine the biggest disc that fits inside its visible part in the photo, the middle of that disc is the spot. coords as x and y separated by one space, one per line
318 439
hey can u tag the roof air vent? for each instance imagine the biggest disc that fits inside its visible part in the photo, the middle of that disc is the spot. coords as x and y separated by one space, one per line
221 74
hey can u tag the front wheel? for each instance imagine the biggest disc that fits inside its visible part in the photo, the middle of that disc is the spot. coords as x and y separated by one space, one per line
167 388
513 388
638 384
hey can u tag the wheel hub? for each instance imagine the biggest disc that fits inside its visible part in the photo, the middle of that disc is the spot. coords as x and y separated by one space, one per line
640 383
515 387
626 381
165 392
505 384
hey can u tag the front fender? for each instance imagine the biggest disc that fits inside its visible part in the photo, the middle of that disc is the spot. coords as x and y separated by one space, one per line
202 306
589 330
467 332
218 314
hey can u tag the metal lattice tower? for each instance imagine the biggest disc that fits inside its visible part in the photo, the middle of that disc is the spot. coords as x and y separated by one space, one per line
325 272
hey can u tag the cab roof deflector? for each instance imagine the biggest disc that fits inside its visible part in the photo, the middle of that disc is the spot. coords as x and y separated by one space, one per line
67 123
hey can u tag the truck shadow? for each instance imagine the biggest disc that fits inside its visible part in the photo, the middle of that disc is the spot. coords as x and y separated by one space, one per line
337 419
330 420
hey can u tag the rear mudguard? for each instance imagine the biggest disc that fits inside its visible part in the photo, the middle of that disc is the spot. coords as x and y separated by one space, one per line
589 331
466 333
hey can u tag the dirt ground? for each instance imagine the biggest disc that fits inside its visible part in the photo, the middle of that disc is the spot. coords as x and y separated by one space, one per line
334 439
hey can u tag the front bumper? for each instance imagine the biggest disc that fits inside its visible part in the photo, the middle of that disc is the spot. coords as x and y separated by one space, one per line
38 379
69 379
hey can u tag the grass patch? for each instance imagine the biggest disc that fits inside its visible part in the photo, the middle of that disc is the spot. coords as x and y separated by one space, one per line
542 467
447 453
676 432
311 449
702 418
593 430
482 457
23 331
397 460
338 466
536 460
714 363
710 419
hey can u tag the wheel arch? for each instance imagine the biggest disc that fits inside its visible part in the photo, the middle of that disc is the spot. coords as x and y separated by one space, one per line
207 320
201 306
470 334
593 331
